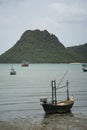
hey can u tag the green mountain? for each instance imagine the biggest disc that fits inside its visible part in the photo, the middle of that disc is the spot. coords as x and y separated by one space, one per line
80 51
38 46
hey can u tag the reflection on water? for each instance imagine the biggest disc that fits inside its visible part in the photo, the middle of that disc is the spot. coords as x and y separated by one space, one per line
51 122
57 121
65 122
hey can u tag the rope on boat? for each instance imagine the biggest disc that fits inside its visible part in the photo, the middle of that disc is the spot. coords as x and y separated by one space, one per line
61 80
62 87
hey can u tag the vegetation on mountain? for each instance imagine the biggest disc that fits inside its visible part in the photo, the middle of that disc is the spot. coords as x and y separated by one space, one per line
40 47
80 51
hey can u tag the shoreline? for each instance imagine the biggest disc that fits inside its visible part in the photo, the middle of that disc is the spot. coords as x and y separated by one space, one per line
51 122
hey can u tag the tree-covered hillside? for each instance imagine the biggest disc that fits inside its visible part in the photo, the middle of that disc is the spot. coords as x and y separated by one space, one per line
81 51
38 46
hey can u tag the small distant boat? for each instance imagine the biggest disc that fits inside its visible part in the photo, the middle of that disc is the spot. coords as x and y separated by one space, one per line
13 72
84 67
54 106
25 64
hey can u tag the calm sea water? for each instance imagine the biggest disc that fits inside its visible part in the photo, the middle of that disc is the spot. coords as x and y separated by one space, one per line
20 94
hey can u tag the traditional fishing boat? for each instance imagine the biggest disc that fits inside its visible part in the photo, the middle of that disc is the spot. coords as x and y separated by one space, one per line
54 106
25 64
84 67
13 72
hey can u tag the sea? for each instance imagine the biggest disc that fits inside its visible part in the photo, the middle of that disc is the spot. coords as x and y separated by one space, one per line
20 94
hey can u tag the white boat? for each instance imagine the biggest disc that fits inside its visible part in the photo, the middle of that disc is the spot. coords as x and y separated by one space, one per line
13 72
84 67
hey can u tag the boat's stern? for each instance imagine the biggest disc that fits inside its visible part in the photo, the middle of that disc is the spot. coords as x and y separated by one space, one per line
72 98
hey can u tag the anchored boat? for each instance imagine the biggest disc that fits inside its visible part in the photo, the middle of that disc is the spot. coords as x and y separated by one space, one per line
25 64
84 67
13 72
54 106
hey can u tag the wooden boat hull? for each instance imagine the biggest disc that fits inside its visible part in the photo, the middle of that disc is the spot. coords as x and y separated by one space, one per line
57 108
24 65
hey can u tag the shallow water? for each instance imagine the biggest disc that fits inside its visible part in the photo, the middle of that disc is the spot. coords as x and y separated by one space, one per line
20 94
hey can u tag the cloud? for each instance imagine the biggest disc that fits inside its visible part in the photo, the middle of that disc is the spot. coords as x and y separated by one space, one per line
10 1
68 13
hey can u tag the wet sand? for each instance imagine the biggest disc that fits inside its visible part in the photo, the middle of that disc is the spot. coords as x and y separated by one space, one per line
51 122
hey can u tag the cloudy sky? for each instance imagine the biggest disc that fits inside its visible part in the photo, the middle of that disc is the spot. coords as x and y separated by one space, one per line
67 19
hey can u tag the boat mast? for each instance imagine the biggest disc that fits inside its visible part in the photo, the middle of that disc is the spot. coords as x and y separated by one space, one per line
67 90
54 97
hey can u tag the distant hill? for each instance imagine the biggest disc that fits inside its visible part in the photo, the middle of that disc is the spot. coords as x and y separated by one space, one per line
80 51
38 46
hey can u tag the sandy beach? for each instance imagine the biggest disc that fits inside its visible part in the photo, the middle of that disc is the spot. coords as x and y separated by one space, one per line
60 122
